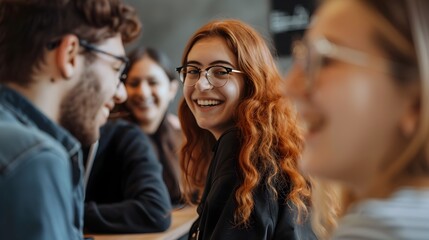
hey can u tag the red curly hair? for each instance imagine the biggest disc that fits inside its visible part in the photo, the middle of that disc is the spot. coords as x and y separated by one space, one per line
271 141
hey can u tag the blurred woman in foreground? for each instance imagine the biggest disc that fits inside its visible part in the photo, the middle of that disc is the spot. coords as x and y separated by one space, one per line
361 84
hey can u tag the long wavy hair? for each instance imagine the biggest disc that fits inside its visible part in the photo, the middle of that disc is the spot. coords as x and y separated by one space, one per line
271 141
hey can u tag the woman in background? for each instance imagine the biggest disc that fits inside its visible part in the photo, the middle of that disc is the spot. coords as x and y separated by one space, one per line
241 144
151 86
361 84
127 185
125 192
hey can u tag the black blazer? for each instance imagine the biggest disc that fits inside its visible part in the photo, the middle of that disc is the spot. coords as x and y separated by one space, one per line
270 219
125 191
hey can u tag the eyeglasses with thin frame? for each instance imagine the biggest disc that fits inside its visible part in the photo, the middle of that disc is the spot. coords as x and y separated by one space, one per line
125 62
123 69
216 75
313 56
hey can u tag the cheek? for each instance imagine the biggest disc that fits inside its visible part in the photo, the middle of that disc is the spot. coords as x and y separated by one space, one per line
131 91
129 105
234 91
108 92
358 125
107 80
162 93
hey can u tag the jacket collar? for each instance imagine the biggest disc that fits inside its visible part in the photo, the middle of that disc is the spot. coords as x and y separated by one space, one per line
233 130
28 114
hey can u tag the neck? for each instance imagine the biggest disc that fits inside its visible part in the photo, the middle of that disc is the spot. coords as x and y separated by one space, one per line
43 95
385 190
150 128
416 181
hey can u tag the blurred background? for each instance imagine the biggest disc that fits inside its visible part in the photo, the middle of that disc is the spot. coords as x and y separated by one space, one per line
167 24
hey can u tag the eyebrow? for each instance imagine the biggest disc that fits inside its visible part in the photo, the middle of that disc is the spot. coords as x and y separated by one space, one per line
212 63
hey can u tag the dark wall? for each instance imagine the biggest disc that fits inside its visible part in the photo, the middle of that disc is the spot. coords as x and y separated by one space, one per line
167 24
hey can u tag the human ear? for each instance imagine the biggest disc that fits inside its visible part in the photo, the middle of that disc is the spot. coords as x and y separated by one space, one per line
174 86
67 55
409 125
410 119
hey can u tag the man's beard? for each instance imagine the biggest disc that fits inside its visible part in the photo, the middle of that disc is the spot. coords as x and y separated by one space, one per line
80 106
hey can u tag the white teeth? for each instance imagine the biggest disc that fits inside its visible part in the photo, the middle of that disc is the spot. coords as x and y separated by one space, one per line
145 103
208 102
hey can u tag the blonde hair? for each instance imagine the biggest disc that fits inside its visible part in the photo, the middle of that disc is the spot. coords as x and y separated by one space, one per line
412 26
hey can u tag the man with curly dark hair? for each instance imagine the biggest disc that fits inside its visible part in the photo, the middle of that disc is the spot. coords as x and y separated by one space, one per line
61 66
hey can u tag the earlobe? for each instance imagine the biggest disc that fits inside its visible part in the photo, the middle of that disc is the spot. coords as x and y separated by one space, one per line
408 127
410 120
174 85
67 55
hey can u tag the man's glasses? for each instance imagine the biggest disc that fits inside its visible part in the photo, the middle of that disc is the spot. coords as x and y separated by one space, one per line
90 47
313 56
122 69
216 75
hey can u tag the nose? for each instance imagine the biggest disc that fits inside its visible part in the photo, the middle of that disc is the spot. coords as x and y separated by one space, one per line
203 83
120 94
295 83
145 89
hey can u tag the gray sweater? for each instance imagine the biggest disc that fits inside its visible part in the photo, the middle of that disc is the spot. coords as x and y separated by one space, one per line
403 216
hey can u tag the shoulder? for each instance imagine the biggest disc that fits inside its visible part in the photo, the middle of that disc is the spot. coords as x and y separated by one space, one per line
227 150
170 128
361 226
36 177
118 125
120 131
124 139
403 215
173 121
231 134
229 141
20 143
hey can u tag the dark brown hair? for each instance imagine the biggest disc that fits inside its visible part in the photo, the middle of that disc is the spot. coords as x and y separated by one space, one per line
28 26
156 55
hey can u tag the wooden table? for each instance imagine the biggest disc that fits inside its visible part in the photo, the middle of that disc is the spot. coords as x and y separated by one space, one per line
182 220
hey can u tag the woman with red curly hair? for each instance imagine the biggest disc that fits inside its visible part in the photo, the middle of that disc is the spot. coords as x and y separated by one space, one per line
241 142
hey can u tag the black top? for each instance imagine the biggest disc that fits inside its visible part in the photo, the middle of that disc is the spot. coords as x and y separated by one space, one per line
125 191
270 219
166 142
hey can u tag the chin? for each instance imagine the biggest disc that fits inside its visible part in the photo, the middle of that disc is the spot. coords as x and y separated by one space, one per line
92 141
89 138
307 165
318 169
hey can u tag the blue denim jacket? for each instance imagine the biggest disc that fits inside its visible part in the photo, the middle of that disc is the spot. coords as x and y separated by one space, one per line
41 180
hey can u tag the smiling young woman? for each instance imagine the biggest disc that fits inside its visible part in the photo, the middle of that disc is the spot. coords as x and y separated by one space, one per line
241 140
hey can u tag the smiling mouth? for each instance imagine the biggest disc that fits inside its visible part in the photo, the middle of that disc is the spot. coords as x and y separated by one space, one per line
207 103
143 104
